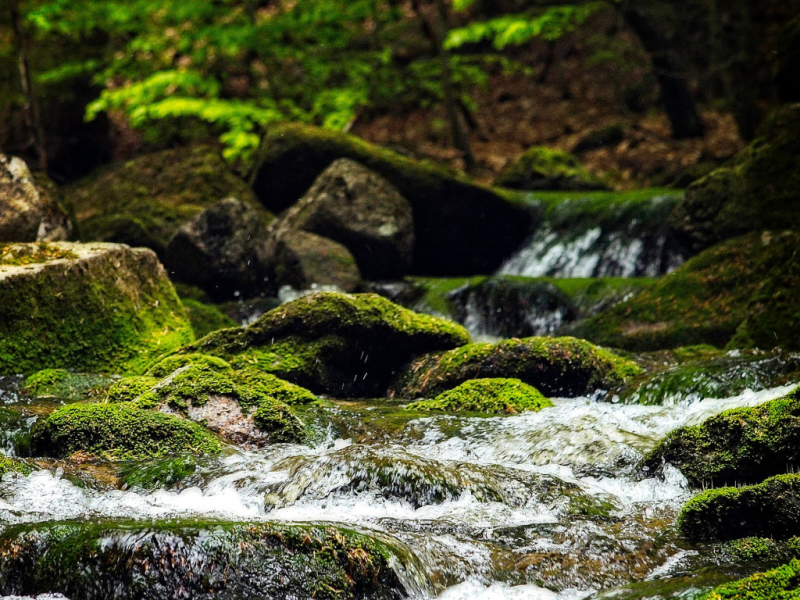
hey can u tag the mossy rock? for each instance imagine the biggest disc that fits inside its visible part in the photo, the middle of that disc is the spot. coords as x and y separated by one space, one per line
759 189
555 366
742 445
460 228
145 200
739 294
11 465
496 396
768 509
62 385
543 168
339 344
782 583
89 308
157 473
205 318
245 407
118 431
304 259
162 561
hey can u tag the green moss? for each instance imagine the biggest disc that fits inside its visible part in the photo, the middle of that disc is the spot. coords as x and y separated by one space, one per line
113 310
334 343
130 388
17 255
206 318
497 396
10 465
757 549
65 386
157 473
143 201
738 294
118 431
172 363
555 366
543 168
782 583
736 446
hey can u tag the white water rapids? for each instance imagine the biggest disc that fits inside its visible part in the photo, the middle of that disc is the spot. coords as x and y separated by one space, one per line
482 502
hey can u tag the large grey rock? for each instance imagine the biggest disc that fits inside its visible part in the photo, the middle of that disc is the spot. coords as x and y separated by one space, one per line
29 210
224 251
358 208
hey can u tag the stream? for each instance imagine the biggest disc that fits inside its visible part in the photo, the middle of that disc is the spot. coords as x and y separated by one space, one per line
549 505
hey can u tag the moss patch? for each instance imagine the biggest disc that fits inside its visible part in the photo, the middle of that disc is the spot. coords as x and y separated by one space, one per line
118 431
543 168
206 318
739 294
111 310
172 363
782 583
65 386
736 446
344 345
555 366
18 255
10 465
497 396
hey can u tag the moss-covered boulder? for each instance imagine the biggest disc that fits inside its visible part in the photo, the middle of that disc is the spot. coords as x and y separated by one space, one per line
497 396
85 308
543 168
304 259
246 407
460 228
65 386
768 509
743 445
11 465
782 583
555 366
118 431
739 294
163 561
339 344
223 251
144 201
759 189
205 318
786 60
358 208
30 208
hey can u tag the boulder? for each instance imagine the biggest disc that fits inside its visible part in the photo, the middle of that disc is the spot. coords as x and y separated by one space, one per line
557 367
145 200
223 250
30 208
739 294
304 259
97 560
338 344
86 308
743 445
497 396
543 168
786 60
358 208
460 228
758 189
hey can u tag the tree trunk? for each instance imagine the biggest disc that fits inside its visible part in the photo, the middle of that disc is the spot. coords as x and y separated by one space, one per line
675 94
32 115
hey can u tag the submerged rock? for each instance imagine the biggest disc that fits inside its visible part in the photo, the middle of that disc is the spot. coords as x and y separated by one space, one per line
743 445
223 250
304 259
129 561
460 228
117 431
498 396
759 189
359 209
343 345
144 201
555 366
768 509
30 210
739 294
543 168
85 307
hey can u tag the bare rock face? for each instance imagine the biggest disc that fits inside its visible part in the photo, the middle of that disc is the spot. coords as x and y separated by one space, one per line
361 210
223 251
303 259
29 209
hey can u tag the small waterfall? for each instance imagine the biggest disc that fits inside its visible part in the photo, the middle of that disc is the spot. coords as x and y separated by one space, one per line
600 235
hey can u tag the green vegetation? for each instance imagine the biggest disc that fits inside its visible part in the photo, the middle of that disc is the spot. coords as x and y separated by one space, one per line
497 396
65 386
19 255
739 294
556 366
10 465
206 318
172 363
779 584
115 313
345 345
543 168
157 473
118 431
743 445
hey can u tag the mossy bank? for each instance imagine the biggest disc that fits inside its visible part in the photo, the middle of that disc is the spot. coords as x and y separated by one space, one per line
494 396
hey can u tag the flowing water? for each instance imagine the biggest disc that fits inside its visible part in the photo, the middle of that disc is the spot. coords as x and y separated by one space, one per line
549 505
